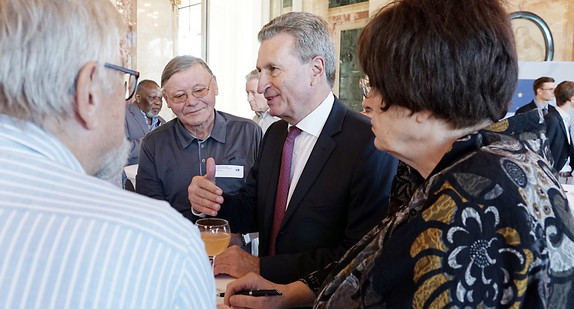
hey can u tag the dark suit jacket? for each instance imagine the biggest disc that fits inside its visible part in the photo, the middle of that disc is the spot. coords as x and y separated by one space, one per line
136 129
530 106
342 193
559 147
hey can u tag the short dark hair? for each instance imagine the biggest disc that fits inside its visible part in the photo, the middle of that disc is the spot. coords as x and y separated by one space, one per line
539 82
141 85
455 58
563 92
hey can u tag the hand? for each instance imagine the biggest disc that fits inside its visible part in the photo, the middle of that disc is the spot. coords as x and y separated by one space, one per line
203 194
235 262
253 282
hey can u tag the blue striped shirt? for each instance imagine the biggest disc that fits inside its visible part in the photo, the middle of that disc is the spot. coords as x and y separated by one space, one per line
69 240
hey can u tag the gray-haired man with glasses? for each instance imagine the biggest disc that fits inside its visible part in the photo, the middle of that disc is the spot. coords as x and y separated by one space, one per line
67 238
175 152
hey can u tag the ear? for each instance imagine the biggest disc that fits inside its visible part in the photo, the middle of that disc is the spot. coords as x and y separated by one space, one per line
86 99
214 85
318 69
422 116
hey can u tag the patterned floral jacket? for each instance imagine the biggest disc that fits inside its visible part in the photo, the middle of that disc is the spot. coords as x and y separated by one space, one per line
491 228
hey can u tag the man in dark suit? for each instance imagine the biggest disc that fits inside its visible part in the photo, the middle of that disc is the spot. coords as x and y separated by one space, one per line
544 92
339 185
558 130
142 116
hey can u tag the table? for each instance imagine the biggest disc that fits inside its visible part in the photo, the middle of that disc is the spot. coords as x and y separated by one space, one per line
221 282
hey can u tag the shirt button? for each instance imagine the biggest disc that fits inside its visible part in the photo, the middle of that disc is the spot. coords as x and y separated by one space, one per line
202 160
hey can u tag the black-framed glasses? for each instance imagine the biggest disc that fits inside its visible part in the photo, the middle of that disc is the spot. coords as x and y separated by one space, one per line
365 86
130 79
182 96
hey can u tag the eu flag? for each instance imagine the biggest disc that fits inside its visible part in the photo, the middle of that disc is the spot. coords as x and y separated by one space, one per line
523 95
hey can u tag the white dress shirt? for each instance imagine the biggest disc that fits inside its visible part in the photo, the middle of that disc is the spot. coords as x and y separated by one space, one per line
311 127
566 120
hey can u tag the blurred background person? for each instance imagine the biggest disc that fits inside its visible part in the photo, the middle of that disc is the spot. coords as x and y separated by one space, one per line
480 219
69 239
258 102
543 94
558 130
142 116
365 89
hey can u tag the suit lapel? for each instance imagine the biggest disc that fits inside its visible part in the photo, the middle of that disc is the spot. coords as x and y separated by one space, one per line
275 138
319 156
139 118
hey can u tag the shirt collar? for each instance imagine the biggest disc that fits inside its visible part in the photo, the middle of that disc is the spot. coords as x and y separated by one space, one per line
154 120
512 127
29 137
541 105
218 132
314 122
565 115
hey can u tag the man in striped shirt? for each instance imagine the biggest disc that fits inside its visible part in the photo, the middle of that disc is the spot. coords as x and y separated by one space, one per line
67 238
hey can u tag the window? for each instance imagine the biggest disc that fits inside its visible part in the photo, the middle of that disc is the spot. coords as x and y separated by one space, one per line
190 39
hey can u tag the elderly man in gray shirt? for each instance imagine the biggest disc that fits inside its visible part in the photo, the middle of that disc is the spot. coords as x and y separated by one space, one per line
175 152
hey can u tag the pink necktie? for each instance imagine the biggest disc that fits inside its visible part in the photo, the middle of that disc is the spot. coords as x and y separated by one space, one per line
283 185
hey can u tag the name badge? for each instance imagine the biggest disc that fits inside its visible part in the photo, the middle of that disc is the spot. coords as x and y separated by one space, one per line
229 171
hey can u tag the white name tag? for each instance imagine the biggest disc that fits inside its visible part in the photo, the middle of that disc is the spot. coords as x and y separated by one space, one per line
229 171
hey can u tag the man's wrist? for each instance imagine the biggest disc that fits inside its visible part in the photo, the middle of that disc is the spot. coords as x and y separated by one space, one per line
197 213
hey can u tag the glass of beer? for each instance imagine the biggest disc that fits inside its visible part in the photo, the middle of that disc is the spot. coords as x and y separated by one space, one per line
216 235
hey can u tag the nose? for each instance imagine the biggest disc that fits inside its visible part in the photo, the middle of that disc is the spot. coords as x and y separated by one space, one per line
263 82
191 100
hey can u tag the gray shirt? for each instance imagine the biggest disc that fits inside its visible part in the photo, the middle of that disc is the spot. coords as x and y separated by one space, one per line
170 157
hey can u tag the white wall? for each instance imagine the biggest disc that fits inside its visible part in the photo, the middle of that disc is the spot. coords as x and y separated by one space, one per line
155 41
232 50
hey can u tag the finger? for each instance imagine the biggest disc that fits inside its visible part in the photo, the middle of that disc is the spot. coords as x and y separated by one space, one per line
210 166
245 283
244 301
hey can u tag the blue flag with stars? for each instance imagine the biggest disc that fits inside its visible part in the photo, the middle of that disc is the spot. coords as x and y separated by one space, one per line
523 95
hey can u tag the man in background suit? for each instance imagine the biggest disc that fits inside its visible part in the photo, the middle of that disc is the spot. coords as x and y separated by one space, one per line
544 92
142 116
340 183
558 130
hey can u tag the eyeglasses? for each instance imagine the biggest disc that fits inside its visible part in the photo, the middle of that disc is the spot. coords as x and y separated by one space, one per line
365 86
551 89
181 97
130 79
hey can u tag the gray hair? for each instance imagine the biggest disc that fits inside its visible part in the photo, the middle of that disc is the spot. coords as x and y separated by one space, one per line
252 75
312 38
37 39
181 63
